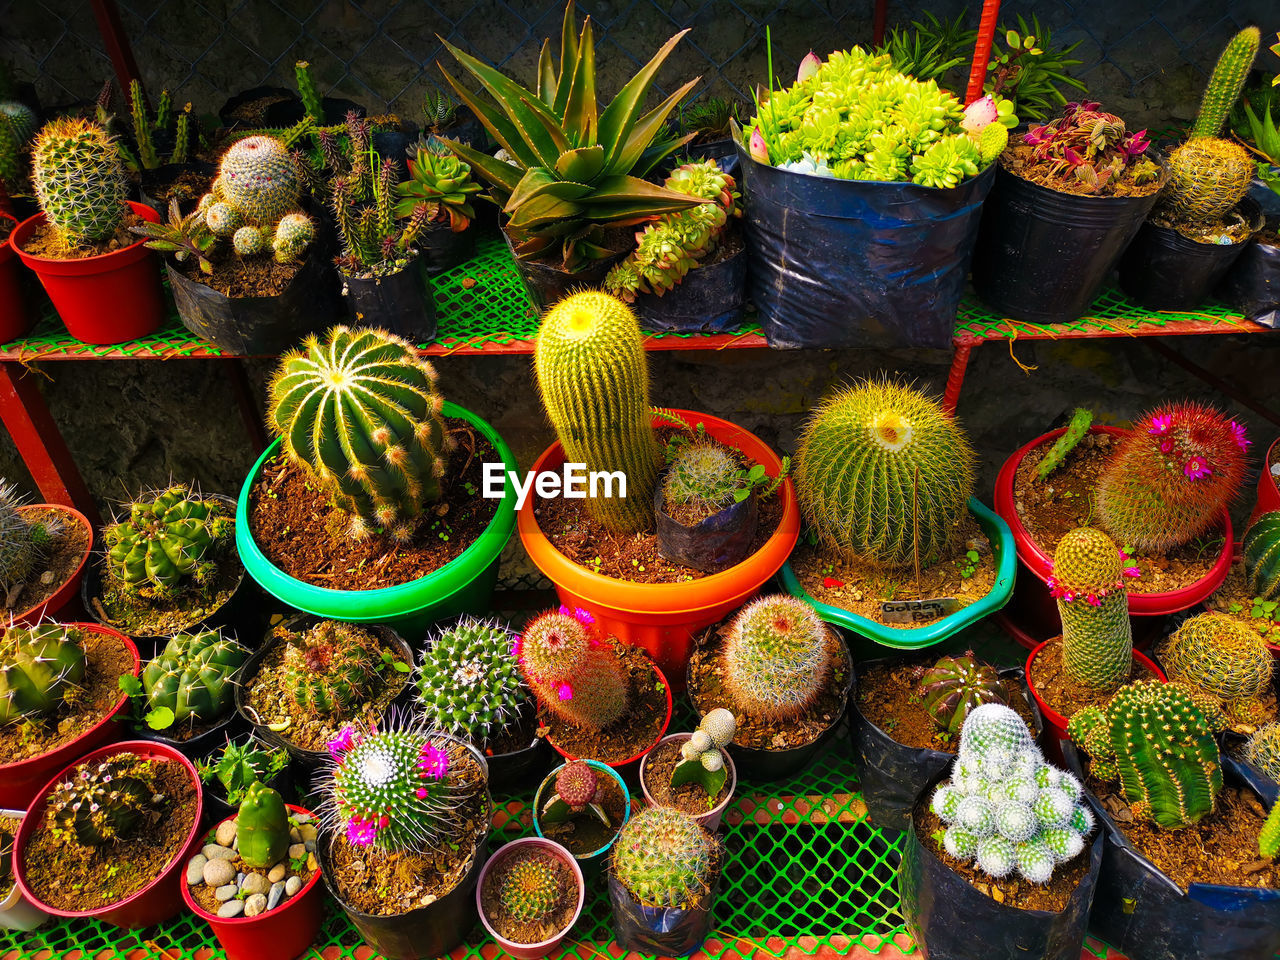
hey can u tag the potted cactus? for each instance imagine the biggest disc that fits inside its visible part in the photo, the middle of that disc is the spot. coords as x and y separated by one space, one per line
711 122
664 873
1258 761
1156 783
897 549
1001 853
592 374
783 674
405 821
43 551
108 837
170 565
18 126
104 285
159 149
693 772
582 804
442 184
598 698
312 677
411 541
59 698
228 774
1250 594
256 882
529 896
1220 657
16 911
470 686
1203 220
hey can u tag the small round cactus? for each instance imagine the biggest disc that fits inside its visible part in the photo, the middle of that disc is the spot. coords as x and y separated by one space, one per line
577 784
191 676
1217 654
166 543
222 219
249 241
260 179
572 671
776 657
330 667
531 888
469 683
104 803
703 478
665 858
954 686
1263 750
41 668
293 235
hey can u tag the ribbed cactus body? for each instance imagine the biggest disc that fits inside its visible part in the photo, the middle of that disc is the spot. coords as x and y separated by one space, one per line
1158 740
166 542
665 858
572 671
469 683
79 180
293 235
361 412
23 543
331 667
531 888
954 686
1226 82
192 676
776 657
1207 178
577 784
1263 750
262 827
259 178
594 380
1088 582
17 124
1262 556
104 804
1219 655
882 470
1269 835
1076 430
21 119
41 668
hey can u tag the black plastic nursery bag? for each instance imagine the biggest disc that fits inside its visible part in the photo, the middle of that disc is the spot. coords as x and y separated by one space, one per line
658 931
1252 285
712 545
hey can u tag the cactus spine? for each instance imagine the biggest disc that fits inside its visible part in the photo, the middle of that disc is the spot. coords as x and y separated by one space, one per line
40 669
704 477
1262 556
166 542
192 676
262 827
242 764
469 684
1269 835
572 671
1226 82
330 667
107 803
361 412
79 180
777 657
594 379
665 858
884 475
1263 750
1081 420
1217 654
307 92
531 888
23 543
955 686
1088 583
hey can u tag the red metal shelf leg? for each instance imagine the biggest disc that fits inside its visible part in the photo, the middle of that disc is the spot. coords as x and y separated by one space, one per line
955 378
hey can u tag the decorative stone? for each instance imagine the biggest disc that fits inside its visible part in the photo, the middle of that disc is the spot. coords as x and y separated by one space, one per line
255 905
277 873
292 886
312 862
219 872
215 851
302 817
255 883
232 908
226 833
296 851
195 868
276 895
310 845
225 893
308 832
294 835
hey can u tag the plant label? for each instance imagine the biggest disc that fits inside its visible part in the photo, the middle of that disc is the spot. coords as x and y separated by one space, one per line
917 611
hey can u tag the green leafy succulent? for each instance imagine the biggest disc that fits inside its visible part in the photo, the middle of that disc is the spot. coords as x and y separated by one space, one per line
1030 71
185 237
930 48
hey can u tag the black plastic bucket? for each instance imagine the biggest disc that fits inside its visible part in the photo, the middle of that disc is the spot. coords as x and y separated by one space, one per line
440 249
659 931
711 545
547 283
401 302
1252 285
710 299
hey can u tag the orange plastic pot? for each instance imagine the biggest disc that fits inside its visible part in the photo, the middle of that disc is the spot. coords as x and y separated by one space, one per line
663 617
15 318
66 594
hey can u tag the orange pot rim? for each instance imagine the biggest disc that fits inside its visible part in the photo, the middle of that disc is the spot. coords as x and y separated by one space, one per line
668 598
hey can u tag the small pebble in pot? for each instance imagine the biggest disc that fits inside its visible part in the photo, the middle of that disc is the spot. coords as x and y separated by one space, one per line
255 883
218 872
277 873
232 908
255 905
226 833
275 896
224 893
296 851
292 886
195 868
215 851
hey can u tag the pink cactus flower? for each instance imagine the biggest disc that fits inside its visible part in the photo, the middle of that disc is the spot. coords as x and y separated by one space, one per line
1238 435
1160 425
1197 468
758 149
434 761
421 793
564 692
1092 600
360 833
808 67
1133 571
979 114
344 741
582 616
1166 445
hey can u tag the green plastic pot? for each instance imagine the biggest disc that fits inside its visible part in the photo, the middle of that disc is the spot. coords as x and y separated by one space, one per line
463 585
900 638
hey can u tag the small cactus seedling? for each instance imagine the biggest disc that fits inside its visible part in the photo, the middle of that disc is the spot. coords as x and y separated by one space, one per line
577 790
665 858
41 668
23 543
1263 750
1217 654
777 657
531 888
191 677
954 686
104 803
1081 420
469 684
331 666
701 760
262 827
572 670
242 764
166 543
1004 806
1088 580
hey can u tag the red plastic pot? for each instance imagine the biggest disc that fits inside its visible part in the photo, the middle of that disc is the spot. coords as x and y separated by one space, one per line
109 298
158 900
663 617
279 934
710 819
15 318
21 781
528 951
1268 492
66 595
1032 602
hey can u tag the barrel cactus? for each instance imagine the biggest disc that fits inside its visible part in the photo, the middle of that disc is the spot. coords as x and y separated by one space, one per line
259 178
41 668
954 686
360 412
1157 739
572 670
331 667
79 180
594 380
1217 654
105 803
469 684
531 888
23 543
705 478
191 677
884 475
166 543
777 657
1004 806
1263 750
262 827
664 858
1262 556
1088 583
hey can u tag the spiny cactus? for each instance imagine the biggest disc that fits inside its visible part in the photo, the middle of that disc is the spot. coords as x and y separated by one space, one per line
704 477
701 760
192 676
249 241
40 670
1217 654
23 543
259 178
330 667
1263 750
17 125
79 180
884 475
104 803
578 789
664 858
262 827
312 105
777 656
572 670
360 411
1269 835
1262 556
1171 476
531 888
166 543
146 126
469 683
397 789
293 235
955 686
20 117
1226 82
1081 420
594 379
1158 740
240 764
1088 584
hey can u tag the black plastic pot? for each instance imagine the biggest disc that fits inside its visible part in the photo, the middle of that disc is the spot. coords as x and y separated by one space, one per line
1163 270
440 249
1258 782
891 775
248 96
1146 916
711 545
659 931
288 112
164 175
850 263
1252 285
951 920
401 302
260 326
1043 255
546 283
511 773
216 807
710 299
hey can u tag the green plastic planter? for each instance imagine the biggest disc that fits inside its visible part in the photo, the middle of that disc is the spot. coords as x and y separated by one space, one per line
464 585
1002 548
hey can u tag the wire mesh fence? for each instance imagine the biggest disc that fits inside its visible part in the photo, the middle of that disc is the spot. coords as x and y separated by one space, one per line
1146 61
